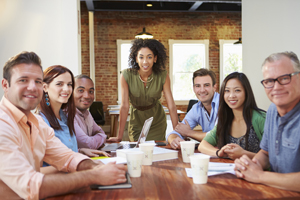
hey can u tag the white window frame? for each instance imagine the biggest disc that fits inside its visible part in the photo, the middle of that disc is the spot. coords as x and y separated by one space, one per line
221 73
119 63
171 42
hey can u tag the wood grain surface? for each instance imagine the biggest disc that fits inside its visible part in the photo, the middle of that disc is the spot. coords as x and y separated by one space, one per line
168 180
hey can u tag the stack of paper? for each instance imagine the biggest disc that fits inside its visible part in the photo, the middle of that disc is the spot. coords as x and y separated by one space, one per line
159 154
215 168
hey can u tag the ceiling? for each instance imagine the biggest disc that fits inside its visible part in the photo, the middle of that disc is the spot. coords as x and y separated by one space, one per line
165 6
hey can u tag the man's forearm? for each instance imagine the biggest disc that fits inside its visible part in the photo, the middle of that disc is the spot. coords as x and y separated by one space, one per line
57 184
197 135
263 157
288 181
86 164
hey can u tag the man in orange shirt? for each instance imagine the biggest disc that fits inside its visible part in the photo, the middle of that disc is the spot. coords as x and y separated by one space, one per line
26 140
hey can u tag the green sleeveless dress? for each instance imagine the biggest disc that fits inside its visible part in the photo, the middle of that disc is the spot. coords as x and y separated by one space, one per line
139 95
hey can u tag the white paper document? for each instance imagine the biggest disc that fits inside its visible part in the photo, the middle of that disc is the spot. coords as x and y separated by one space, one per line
119 160
206 155
220 167
215 168
127 142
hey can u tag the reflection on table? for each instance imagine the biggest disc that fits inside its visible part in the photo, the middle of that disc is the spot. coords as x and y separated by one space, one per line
168 180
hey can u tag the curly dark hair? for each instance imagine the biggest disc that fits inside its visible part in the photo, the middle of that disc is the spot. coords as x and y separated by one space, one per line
155 46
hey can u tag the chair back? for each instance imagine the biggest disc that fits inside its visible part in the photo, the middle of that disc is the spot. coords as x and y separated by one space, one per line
191 103
96 109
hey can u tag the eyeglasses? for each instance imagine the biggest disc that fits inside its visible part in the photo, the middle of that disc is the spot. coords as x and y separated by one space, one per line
282 80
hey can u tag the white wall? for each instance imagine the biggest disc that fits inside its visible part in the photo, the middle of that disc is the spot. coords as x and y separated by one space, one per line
48 27
268 26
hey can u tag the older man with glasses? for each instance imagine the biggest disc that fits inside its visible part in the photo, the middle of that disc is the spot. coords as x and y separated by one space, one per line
280 146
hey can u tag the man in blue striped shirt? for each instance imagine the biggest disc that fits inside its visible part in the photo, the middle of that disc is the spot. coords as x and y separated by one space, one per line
203 113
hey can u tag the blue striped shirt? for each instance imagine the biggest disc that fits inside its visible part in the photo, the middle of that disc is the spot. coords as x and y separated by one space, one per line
199 116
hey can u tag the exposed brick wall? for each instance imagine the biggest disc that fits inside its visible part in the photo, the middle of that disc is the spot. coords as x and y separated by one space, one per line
110 26
85 49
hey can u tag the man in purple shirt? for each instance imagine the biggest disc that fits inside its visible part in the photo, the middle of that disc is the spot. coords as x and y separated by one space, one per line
88 133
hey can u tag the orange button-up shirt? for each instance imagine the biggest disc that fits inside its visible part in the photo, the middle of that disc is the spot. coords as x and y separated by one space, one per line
25 141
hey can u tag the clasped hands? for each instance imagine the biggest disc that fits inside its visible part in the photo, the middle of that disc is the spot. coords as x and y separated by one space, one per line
231 151
250 170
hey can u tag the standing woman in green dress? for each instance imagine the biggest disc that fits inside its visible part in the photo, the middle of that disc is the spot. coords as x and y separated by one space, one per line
141 86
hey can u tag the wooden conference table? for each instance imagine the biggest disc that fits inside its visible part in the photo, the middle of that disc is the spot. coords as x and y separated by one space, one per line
168 180
114 112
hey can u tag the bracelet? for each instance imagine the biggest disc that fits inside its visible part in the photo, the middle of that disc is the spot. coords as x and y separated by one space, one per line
217 153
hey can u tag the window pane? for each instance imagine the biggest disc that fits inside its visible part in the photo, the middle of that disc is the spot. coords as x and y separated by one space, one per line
232 59
183 86
125 55
187 58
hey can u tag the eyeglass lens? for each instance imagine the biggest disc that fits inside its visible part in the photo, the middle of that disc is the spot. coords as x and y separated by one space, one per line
282 80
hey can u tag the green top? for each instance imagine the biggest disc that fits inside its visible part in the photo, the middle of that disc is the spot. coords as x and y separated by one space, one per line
139 95
258 123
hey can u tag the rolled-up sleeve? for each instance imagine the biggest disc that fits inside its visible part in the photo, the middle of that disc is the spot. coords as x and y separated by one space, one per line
211 137
192 117
15 170
24 142
59 155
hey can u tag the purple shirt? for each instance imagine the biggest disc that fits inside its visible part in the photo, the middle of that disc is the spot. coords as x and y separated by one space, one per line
88 133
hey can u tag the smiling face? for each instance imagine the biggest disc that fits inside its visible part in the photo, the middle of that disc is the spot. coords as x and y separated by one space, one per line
285 97
234 94
145 59
60 89
83 93
25 89
204 89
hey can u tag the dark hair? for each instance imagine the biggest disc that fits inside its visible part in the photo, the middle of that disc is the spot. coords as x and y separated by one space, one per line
225 114
155 46
205 72
23 57
80 76
69 108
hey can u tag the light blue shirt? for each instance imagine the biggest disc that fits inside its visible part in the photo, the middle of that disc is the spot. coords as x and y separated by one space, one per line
281 140
199 116
64 133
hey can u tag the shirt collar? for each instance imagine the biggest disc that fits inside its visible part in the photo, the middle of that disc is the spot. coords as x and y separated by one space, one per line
216 97
17 114
213 102
85 114
291 113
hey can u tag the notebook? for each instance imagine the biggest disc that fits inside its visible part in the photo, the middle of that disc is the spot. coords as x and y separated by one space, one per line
127 184
142 138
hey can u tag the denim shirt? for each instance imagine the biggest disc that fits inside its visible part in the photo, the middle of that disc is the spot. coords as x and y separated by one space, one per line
64 133
199 116
281 139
